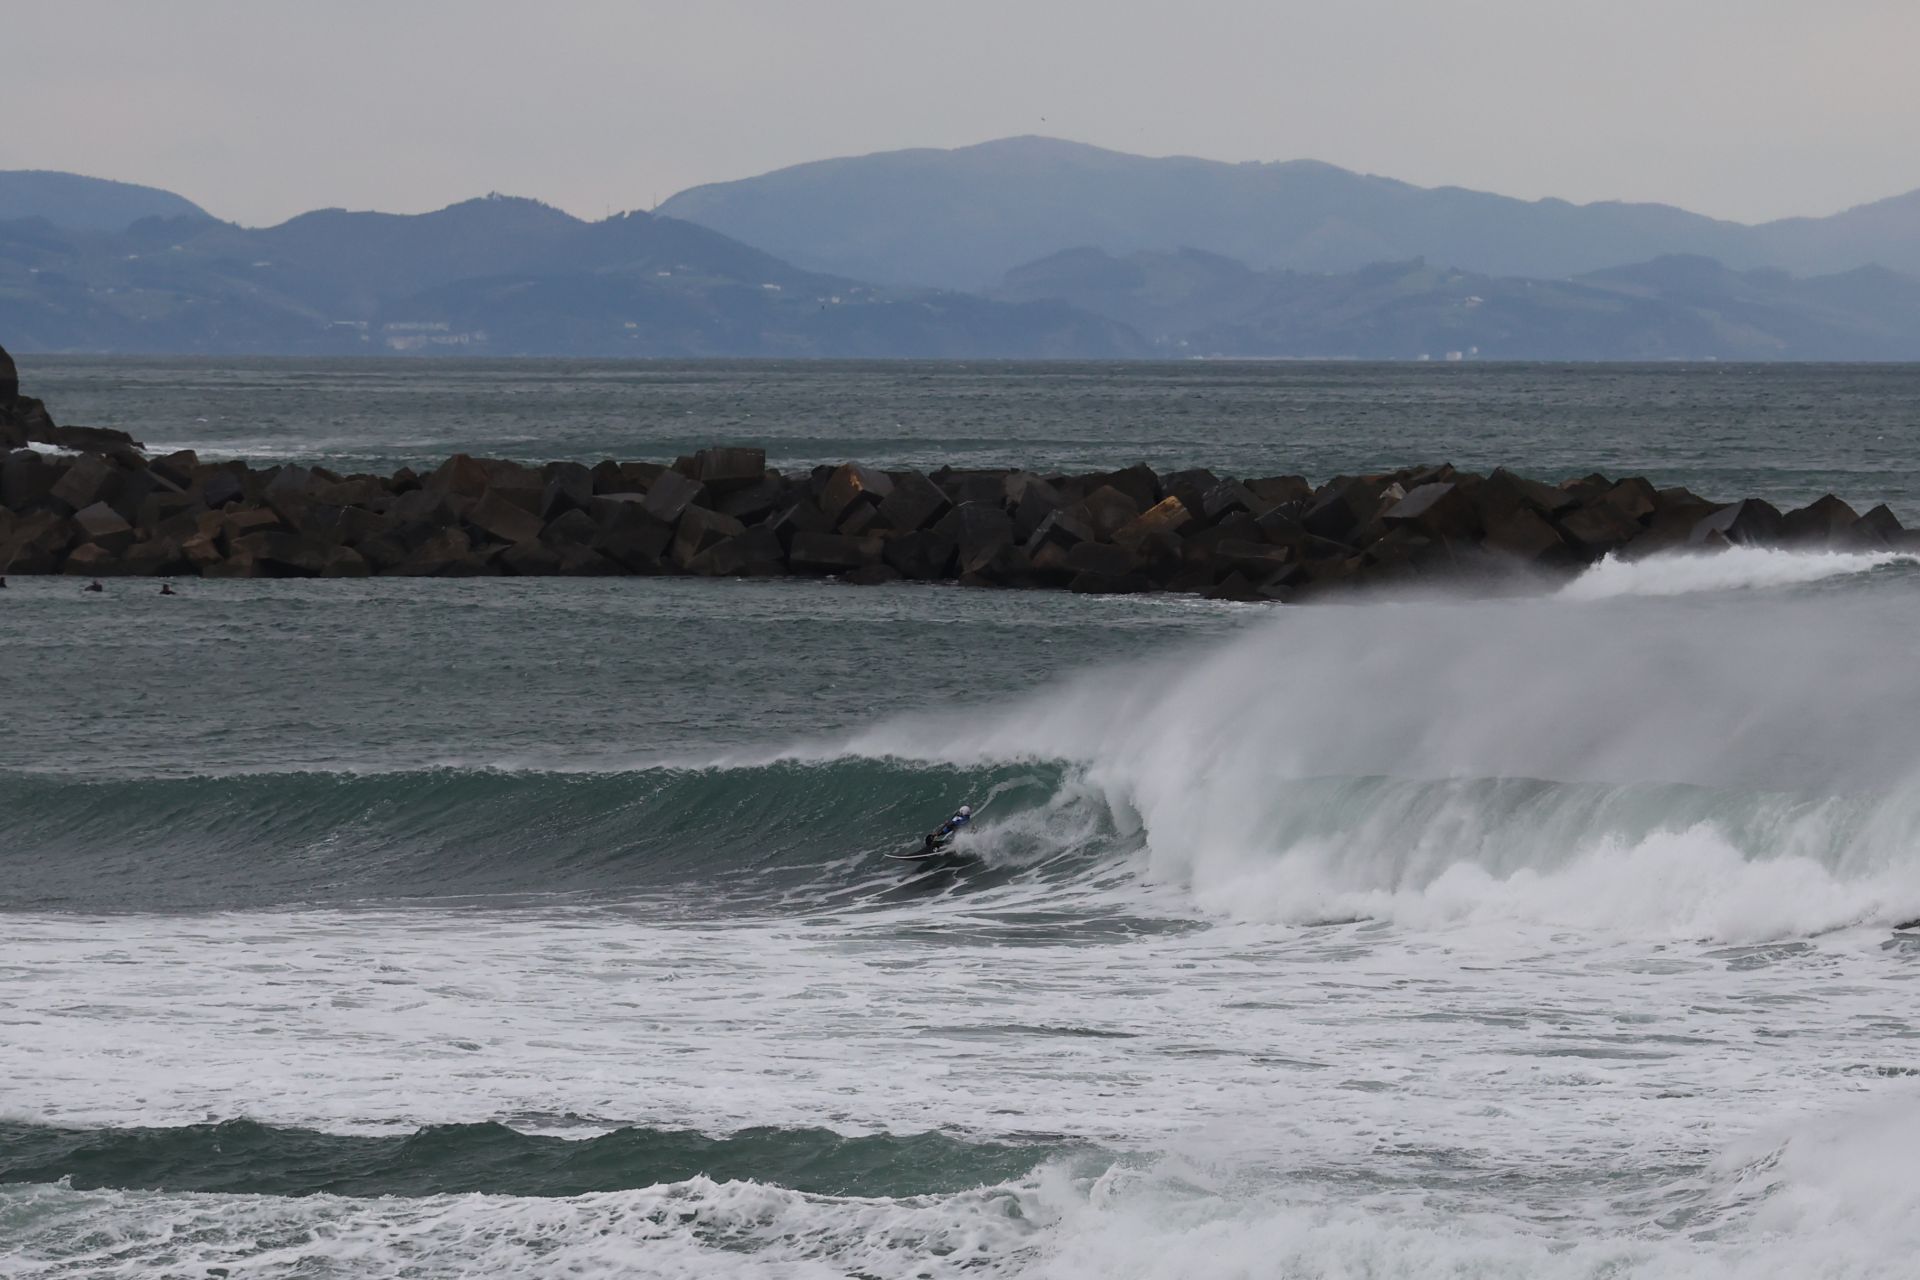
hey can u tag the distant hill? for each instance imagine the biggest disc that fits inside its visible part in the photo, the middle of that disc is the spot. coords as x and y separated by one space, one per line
1199 304
490 276
962 218
75 203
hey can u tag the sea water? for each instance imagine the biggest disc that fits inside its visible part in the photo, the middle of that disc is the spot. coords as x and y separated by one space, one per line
508 927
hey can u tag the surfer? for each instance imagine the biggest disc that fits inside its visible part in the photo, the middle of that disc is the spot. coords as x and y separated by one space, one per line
92 586
951 827
166 589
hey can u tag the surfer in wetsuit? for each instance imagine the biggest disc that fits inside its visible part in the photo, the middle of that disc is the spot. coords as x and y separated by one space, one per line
952 826
93 586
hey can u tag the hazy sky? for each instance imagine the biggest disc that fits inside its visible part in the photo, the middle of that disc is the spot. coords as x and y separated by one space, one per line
260 109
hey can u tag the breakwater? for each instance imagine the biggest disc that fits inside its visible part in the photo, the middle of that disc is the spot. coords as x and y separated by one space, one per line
91 502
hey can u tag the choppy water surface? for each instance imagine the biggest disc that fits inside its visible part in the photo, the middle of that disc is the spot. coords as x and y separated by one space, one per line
1784 432
532 928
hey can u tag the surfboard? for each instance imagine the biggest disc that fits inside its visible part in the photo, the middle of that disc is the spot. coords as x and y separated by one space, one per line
920 853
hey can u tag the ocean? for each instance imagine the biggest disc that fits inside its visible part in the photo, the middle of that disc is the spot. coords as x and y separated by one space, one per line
536 927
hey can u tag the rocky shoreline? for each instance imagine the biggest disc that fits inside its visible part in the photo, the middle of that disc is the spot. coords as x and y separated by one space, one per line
103 506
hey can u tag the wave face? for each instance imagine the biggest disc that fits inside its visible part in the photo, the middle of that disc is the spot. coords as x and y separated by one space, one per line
260 839
245 1157
1721 747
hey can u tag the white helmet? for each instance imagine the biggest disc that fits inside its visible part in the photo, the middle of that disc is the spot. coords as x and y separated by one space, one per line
966 811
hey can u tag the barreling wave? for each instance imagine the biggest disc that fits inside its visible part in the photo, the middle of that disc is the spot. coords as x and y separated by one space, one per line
1655 752
1732 765
246 1157
264 839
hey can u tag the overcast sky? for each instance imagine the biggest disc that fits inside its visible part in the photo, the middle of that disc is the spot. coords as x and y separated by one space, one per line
258 110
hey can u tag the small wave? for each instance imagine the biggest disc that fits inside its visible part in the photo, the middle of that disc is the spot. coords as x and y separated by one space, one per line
1731 569
241 1156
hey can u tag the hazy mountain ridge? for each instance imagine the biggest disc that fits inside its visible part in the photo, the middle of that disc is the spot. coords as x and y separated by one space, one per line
962 218
494 275
1677 307
499 275
79 203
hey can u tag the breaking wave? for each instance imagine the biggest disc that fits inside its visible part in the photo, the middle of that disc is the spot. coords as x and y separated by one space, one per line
1730 569
1653 753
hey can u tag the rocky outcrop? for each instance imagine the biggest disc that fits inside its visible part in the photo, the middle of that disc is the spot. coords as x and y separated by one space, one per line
724 513
104 506
25 421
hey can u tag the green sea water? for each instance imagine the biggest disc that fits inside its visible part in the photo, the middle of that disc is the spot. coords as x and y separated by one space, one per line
497 927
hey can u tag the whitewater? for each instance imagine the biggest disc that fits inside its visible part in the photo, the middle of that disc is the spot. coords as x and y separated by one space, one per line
545 931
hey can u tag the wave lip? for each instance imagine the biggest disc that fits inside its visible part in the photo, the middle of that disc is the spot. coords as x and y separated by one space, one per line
1730 569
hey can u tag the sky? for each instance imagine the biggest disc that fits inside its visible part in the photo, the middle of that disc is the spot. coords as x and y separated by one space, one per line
1744 109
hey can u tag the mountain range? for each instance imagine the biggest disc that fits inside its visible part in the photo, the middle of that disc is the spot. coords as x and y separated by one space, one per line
1025 248
963 218
495 275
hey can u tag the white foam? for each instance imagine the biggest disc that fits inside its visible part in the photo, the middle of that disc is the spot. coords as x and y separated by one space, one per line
1730 569
1731 767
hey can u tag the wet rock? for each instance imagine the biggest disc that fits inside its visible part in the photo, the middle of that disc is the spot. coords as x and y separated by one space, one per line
534 559
1190 487
915 503
448 554
1824 522
850 484
832 552
754 553
88 479
1062 529
729 470
1280 491
504 520
1503 490
27 480
1165 519
962 487
700 529
1138 482
1107 510
671 494
91 560
758 501
1258 561
923 556
1598 527
634 538
345 562
200 552
1749 523
1522 534
1103 560
1230 498
569 488
1438 509
38 543
803 516
286 555
979 531
462 474
872 575
1341 506
1877 528
102 525
222 486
